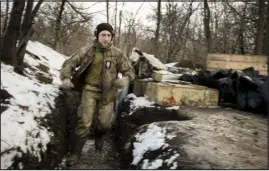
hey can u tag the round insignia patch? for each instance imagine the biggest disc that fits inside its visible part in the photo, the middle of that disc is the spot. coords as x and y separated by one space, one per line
108 64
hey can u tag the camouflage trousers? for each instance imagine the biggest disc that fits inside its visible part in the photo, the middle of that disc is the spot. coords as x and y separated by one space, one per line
91 103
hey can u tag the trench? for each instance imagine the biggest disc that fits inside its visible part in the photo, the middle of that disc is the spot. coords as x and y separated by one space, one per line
113 157
109 159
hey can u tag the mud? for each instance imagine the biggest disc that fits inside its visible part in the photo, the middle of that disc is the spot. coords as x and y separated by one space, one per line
108 159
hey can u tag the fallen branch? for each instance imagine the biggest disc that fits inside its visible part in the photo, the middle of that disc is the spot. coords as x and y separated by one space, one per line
8 150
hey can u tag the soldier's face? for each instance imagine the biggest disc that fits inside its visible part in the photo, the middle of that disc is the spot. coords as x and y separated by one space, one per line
104 38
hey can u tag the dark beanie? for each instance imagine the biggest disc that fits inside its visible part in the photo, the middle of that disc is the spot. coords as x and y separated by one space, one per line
102 27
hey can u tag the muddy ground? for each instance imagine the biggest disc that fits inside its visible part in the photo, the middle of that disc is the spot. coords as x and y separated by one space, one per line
111 158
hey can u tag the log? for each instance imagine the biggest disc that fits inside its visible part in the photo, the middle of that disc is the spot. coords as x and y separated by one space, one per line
165 76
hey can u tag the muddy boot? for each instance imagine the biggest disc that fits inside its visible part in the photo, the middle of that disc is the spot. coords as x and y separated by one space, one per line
99 142
76 153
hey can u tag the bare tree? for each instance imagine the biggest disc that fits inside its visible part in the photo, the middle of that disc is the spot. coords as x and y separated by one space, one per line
26 32
206 26
58 24
8 51
172 36
241 31
119 30
107 11
115 30
260 32
266 44
74 29
130 23
157 32
6 18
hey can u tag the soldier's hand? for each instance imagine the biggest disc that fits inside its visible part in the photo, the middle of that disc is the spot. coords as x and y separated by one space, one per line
67 84
119 83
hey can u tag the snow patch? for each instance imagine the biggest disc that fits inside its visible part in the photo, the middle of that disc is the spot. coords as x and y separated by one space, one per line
174 165
152 139
164 72
138 102
171 159
47 57
171 64
19 127
172 108
170 136
155 164
155 62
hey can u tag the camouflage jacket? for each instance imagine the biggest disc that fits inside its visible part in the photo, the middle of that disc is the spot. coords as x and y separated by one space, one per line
113 63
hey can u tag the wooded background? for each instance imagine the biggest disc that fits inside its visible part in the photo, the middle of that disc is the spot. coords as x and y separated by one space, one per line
185 31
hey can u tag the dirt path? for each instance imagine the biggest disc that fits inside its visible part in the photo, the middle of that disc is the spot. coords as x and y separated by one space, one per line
90 160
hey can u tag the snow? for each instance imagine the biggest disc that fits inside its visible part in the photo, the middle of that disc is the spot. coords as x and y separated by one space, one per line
47 57
138 102
170 160
153 165
31 100
174 165
173 108
165 72
171 64
155 62
152 139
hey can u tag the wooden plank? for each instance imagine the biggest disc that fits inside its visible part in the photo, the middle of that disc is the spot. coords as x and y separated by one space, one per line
169 94
238 58
260 72
236 65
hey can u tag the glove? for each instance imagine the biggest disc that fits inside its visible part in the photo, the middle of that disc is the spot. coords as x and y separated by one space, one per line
67 84
120 83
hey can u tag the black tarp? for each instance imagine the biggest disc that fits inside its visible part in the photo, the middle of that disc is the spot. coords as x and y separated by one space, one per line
247 89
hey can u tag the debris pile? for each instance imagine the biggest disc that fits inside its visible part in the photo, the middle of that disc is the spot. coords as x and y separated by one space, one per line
246 89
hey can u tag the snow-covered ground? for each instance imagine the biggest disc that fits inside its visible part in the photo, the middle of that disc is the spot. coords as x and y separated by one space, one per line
31 99
153 139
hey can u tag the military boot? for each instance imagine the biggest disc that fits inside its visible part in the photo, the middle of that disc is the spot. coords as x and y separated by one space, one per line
76 153
99 142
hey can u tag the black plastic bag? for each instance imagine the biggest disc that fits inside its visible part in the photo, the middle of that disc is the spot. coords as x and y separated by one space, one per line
226 90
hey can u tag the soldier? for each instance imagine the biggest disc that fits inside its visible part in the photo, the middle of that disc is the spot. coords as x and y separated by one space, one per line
99 65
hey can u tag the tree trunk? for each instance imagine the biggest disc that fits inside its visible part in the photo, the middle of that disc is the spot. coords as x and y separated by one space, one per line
58 25
129 38
119 30
207 27
26 25
107 11
241 31
115 28
27 18
6 19
225 32
266 45
8 52
157 29
260 32
26 32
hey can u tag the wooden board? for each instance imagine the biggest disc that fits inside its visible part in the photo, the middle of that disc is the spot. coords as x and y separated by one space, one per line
237 62
169 94
237 58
